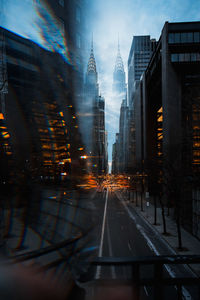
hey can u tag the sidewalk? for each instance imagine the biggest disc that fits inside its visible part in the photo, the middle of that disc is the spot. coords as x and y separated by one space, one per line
191 245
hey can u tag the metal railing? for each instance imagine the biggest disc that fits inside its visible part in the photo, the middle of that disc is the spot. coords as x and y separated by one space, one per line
158 281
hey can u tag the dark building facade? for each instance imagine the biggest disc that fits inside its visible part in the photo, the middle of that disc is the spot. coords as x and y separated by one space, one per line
41 148
100 159
42 89
39 110
140 53
123 137
115 155
168 119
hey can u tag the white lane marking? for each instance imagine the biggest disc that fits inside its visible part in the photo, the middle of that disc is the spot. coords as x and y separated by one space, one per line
185 292
98 271
149 242
110 252
145 289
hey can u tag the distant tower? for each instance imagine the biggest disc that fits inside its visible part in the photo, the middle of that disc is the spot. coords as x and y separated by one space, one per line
120 93
94 120
119 85
91 92
91 80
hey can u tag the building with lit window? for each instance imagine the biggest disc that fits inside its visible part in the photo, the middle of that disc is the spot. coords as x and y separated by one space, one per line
167 125
42 92
39 123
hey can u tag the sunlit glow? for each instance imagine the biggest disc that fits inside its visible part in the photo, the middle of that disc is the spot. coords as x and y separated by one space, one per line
68 160
83 157
1 116
64 174
5 134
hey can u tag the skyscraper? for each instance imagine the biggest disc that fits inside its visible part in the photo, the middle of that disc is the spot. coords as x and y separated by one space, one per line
141 50
119 85
120 95
94 118
140 53
91 80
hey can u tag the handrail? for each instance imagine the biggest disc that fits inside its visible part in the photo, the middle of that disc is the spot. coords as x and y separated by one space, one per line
37 253
164 259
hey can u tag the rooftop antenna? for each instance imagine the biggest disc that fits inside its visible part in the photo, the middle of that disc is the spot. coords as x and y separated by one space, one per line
118 43
92 46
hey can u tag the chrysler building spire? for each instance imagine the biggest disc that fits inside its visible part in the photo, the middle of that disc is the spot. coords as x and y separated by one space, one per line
119 66
92 63
119 85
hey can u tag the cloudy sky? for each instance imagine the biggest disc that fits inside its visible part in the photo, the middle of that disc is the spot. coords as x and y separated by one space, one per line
109 19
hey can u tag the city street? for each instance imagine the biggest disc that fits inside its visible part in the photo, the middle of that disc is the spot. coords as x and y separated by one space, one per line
123 233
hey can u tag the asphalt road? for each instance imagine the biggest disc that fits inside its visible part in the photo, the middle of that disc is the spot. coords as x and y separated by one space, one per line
120 232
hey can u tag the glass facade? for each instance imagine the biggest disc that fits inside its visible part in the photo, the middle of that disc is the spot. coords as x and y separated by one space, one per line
142 50
183 37
185 57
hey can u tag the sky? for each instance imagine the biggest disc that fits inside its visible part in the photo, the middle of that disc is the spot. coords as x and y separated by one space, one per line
127 18
109 19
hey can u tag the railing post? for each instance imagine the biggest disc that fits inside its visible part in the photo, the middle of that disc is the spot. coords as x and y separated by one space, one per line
136 281
179 292
158 281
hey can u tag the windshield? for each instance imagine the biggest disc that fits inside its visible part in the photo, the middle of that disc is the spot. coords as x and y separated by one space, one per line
100 146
